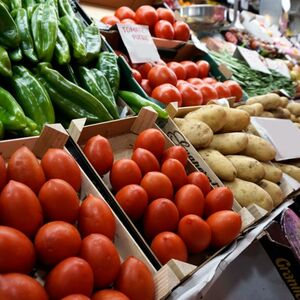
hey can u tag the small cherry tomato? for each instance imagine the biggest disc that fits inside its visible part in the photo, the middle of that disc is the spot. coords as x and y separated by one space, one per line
178 69
191 95
191 69
201 180
137 76
124 12
181 31
167 93
203 67
146 15
161 74
177 152
164 30
166 14
222 90
110 20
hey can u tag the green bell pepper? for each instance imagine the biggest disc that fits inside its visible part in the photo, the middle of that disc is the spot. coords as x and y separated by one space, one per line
15 55
62 51
5 65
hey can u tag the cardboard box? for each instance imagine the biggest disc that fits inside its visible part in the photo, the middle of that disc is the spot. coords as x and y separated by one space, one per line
134 4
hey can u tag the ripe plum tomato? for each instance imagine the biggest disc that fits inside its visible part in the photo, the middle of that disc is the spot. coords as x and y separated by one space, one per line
102 256
99 152
151 139
178 69
146 160
164 30
203 67
209 80
189 200
190 95
157 185
124 12
191 69
195 81
127 21
146 86
195 233
208 92
177 152
166 14
15 286
181 31
110 20
95 216
168 245
133 199
167 93
174 169
76 297
161 74
201 180
71 276
220 198
56 241
222 90
11 260
146 15
109 295
235 89
124 172
135 280
137 76
3 173
225 226
143 69
161 215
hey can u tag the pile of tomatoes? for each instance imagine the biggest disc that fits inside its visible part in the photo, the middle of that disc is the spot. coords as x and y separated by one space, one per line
161 22
45 230
179 212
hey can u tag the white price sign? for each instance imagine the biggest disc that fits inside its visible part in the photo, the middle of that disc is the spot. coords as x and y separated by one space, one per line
138 42
278 66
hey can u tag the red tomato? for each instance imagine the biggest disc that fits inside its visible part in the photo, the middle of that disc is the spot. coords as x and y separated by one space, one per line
189 200
220 198
146 15
190 95
151 139
143 69
76 297
222 90
11 260
146 86
109 295
20 208
124 172
15 286
146 161
201 180
195 233
209 80
164 30
203 67
174 169
166 14
235 90
59 201
133 199
127 21
120 53
95 216
225 226
178 69
168 245
191 69
124 12
56 241
24 167
161 62
181 82
177 152
135 280
57 163
161 215
181 31
195 81
3 173
99 152
71 276
110 20
167 93
157 185
161 74
137 76
103 257
208 92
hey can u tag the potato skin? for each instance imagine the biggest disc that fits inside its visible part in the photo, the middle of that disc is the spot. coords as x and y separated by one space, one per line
291 170
255 109
247 193
273 190
247 168
272 173
294 108
269 101
237 120
220 165
266 114
284 101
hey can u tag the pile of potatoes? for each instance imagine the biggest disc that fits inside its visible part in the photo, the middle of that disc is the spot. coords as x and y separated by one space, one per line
240 159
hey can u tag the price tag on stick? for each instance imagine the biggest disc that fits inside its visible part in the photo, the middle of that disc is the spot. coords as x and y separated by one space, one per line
138 42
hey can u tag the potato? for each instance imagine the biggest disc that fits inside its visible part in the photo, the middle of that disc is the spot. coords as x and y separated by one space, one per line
294 108
272 173
273 190
229 143
252 130
220 165
281 113
236 120
258 109
266 114
297 124
259 149
197 132
293 118
284 101
255 109
291 170
247 168
269 101
247 193
212 115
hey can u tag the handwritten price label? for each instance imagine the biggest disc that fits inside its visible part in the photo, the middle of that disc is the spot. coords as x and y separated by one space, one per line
138 42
